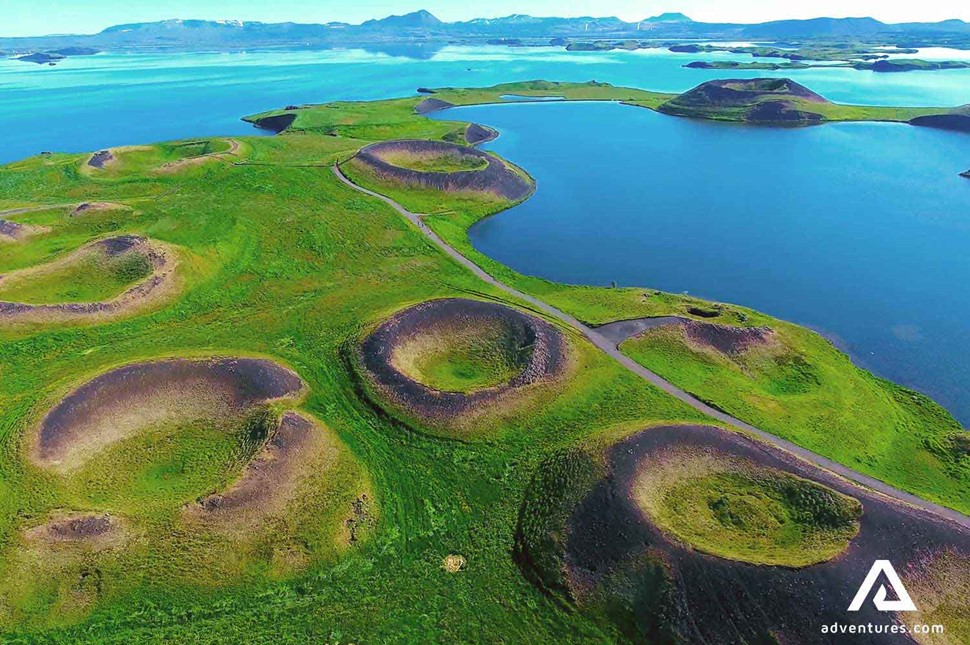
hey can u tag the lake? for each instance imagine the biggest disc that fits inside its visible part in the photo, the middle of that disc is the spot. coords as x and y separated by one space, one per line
87 103
858 230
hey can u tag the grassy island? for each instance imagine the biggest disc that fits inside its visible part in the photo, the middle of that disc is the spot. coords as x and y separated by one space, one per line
766 101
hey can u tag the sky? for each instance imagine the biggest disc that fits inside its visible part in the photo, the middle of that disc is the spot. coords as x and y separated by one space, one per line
41 17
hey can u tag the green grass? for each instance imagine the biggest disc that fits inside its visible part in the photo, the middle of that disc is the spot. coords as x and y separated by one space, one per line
93 277
162 468
289 264
736 510
807 391
286 262
434 162
462 358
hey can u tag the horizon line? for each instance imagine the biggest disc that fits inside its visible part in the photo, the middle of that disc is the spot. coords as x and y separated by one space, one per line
418 11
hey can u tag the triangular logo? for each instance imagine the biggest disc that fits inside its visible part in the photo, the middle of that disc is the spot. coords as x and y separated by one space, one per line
905 603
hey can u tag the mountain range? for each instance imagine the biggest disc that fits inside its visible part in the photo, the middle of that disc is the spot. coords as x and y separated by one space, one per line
422 26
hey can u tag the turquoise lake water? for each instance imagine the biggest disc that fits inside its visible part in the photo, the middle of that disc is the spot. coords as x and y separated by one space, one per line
858 230
86 103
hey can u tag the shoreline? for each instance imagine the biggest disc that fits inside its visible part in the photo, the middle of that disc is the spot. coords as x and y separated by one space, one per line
858 359
607 346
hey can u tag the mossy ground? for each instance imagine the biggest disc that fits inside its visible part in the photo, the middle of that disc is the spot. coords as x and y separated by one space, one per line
289 263
425 162
462 357
91 278
737 510
150 159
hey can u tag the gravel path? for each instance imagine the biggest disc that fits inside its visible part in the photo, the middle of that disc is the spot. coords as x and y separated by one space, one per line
609 347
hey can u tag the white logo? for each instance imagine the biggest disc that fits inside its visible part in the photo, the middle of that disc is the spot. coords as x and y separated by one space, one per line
905 603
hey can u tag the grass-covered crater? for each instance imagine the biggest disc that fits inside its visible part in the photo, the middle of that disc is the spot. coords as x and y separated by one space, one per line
160 397
442 166
735 509
442 359
696 534
159 159
107 277
196 461
448 161
99 271
465 355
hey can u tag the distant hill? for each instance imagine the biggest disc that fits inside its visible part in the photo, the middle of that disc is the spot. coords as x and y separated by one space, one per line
415 20
669 17
815 28
761 100
390 33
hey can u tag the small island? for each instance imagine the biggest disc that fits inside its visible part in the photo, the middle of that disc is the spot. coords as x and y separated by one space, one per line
55 56
42 58
880 66
731 64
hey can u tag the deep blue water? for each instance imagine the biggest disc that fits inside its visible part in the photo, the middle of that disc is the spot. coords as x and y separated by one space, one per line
86 103
857 230
861 231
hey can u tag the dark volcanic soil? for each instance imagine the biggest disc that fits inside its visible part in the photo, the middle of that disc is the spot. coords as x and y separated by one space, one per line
727 339
76 528
91 408
621 330
715 600
275 124
268 473
12 230
546 362
496 177
741 91
958 120
477 134
724 338
100 159
114 246
428 106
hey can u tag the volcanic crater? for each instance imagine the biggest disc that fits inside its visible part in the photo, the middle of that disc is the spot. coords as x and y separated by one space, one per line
442 359
146 265
589 532
443 166
125 401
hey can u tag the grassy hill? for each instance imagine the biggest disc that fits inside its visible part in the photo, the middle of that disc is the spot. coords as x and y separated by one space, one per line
775 101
